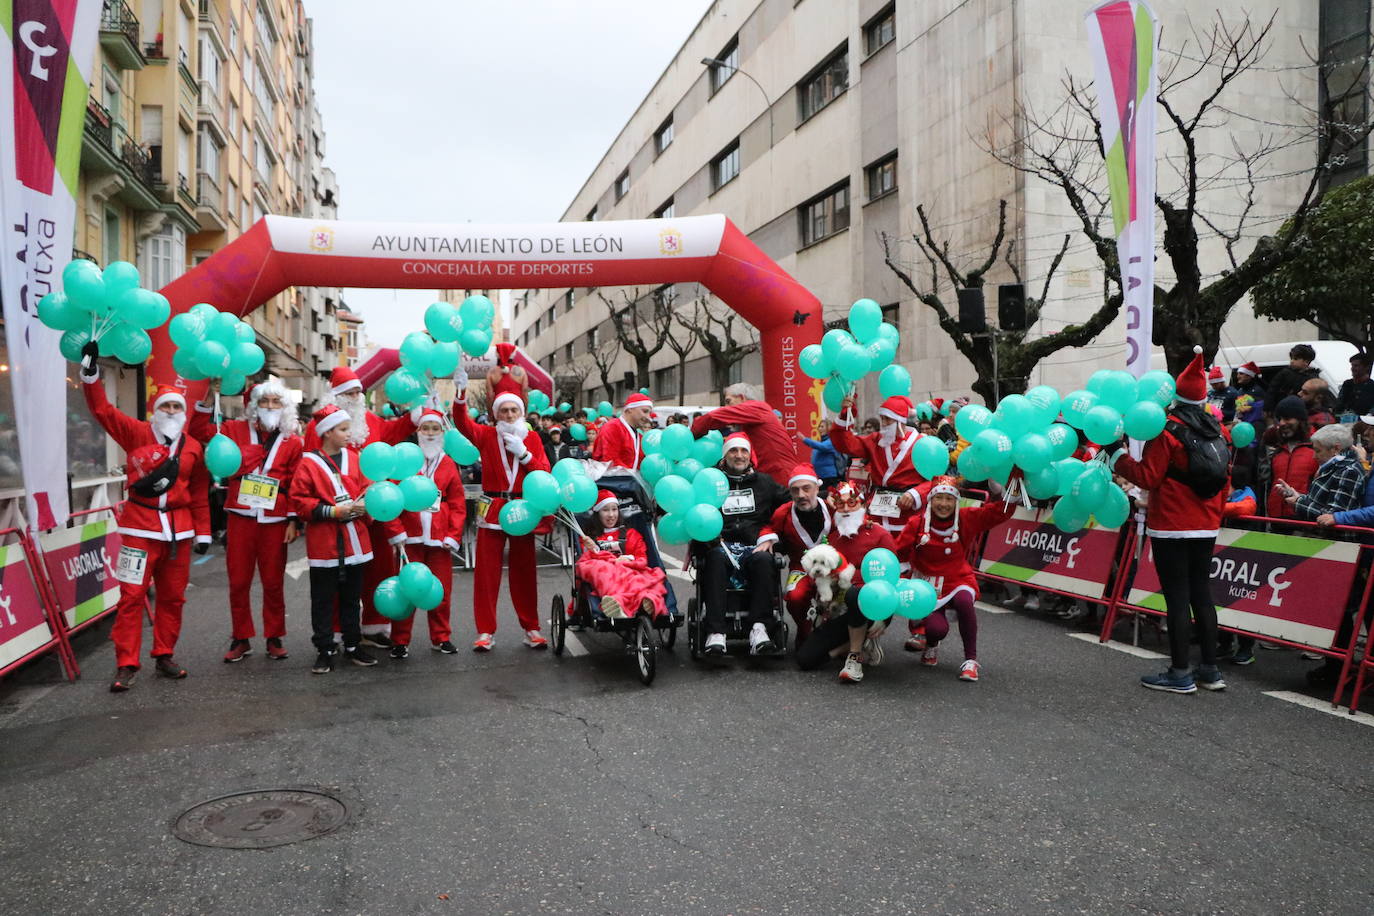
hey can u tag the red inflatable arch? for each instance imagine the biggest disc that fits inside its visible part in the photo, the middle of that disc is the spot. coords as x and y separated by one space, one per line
279 251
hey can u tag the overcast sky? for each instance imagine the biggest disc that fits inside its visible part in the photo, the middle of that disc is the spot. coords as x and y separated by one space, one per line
477 111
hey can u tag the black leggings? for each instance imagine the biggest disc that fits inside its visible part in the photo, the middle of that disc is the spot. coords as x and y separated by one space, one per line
759 574
815 651
1185 576
330 588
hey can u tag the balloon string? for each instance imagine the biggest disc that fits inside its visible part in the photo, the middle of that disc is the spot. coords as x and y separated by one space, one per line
217 413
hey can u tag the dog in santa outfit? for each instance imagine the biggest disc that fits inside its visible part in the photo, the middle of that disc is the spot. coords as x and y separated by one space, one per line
936 543
260 520
167 508
432 534
615 563
794 528
618 444
510 450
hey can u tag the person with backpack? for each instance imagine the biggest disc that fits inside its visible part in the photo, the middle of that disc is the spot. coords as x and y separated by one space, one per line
1186 470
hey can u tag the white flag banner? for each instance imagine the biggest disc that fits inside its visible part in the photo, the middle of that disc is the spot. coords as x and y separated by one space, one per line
1123 35
45 67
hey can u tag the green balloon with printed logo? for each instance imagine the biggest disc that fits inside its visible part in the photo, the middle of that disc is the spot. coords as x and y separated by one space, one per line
390 599
541 491
378 461
835 391
1156 385
972 420
703 523
183 361
1063 440
187 330
71 343
673 494
212 358
1070 515
813 363
131 345
672 528
409 460
881 353
1114 508
1090 486
710 487
707 450
442 322
58 312
1145 420
1044 483
1103 425
517 518
566 469
418 493
1068 470
1045 399
1075 407
916 599
1032 452
476 311
688 468
579 493
878 600
384 501
880 564
654 468
930 457
222 456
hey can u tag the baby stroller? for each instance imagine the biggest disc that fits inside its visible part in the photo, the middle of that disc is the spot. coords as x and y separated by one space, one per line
642 634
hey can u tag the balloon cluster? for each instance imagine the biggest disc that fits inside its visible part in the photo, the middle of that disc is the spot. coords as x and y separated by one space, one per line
436 352
468 325
885 593
687 484
397 484
568 488
843 357
215 344
108 307
415 586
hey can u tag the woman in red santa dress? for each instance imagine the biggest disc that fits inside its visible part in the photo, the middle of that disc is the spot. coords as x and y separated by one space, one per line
615 562
936 543
432 535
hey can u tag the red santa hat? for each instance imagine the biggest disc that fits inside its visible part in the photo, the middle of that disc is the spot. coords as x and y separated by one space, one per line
505 355
507 397
1191 384
147 458
737 440
343 379
639 399
1215 375
166 394
896 407
803 473
328 417
429 413
1249 369
605 498
949 487
938 404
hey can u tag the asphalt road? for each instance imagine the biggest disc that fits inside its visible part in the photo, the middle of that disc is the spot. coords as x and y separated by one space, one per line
520 783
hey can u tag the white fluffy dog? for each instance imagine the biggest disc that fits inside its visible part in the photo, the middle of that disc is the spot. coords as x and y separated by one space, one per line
828 569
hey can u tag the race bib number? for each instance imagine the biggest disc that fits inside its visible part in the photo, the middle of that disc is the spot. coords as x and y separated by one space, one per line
738 502
131 565
793 578
257 491
884 505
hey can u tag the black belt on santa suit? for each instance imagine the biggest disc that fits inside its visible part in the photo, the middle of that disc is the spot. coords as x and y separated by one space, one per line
501 494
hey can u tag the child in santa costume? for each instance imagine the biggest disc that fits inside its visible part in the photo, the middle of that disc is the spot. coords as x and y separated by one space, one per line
936 543
615 563
509 450
167 507
618 443
432 534
260 520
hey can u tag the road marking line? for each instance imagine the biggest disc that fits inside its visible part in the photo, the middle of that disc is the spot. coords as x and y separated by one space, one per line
1300 699
572 645
296 568
1118 646
991 608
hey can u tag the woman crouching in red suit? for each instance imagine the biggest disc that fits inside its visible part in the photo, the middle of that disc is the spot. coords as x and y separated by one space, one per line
615 562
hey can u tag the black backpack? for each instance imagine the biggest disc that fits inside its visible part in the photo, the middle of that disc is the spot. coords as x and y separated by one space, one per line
1209 459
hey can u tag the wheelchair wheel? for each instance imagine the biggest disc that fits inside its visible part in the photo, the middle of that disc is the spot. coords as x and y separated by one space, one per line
558 624
646 650
694 627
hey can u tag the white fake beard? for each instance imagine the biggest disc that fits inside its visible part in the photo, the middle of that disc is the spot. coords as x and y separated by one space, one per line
431 446
357 418
847 524
518 428
888 434
269 420
168 426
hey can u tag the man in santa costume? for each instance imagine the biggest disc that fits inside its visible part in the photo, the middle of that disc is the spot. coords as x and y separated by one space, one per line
510 450
259 516
432 535
795 528
168 507
619 441
775 448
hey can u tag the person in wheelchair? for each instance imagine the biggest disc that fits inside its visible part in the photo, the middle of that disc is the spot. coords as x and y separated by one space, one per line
615 564
739 556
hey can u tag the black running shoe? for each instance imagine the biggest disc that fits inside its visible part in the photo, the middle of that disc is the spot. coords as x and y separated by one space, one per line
400 651
324 663
445 647
376 641
360 657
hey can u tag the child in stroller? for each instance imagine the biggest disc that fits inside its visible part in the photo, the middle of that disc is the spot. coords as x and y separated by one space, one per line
615 563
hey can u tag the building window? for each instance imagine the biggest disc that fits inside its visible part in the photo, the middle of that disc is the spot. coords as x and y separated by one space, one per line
823 216
663 137
665 295
111 237
1343 27
208 64
233 35
267 29
591 215
881 177
667 211
209 154
263 161
880 30
735 375
824 84
665 382
729 63
725 167
568 353
567 302
622 184
233 118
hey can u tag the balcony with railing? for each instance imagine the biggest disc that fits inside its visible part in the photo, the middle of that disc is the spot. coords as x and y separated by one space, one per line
209 204
107 148
119 35
209 108
184 65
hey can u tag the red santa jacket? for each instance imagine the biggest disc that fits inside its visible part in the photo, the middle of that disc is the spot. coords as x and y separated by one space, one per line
1174 510
793 540
277 461
774 449
320 482
618 444
442 524
502 474
889 467
943 559
854 548
181 512
392 431
622 541
1295 463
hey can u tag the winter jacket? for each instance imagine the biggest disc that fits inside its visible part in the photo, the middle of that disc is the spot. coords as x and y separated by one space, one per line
1294 463
1362 517
1337 486
854 548
1356 397
1240 502
792 538
321 482
825 459
618 444
774 449
752 500
1175 510
274 456
943 559
392 431
1288 381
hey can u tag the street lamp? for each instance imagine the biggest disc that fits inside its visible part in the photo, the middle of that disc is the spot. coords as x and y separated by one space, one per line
713 63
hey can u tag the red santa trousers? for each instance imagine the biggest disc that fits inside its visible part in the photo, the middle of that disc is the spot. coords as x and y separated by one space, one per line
251 544
629 583
486 581
167 569
441 564
382 566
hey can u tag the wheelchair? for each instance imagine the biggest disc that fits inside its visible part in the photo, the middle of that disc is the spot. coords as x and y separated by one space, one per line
737 610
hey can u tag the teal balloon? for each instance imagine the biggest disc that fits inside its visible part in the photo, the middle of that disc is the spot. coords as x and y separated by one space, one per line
565 407
566 469
1045 399
813 363
1103 425
416 350
852 363
651 442
187 330
1043 484
971 465
474 413
183 361
459 447
232 382
1063 440
880 564
434 595
378 461
246 358
672 528
120 277
541 490
881 353
1114 509
1069 516
889 332
444 359
878 600
223 329
476 342
222 456
834 393
1090 486
476 311
1156 385
578 432
834 341
673 494
654 468
547 412
517 518
1076 406
405 387
579 493
1145 420
930 457
707 450
205 310
71 343
384 500
971 420
916 599
212 358
710 487
244 333
390 600
1118 391
676 442
865 317
589 413
993 446
605 409
1242 434
56 311
538 400
688 468
418 493
893 381
443 323
130 344
1068 470
1015 415
703 523
408 460
414 579
1097 380
84 287
1032 453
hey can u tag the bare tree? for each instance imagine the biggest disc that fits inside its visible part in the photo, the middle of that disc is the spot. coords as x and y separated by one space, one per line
681 340
1065 149
572 379
715 328
603 355
642 332
1005 370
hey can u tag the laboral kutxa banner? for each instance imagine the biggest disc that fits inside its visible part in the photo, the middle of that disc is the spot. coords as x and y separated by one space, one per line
1029 548
45 66
79 565
23 625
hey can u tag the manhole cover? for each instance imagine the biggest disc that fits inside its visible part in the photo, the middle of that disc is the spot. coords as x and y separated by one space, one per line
258 820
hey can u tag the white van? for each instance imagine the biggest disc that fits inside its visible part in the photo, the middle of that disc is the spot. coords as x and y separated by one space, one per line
1333 360
663 411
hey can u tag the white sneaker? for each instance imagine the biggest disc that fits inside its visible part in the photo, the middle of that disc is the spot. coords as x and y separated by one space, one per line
969 670
759 641
535 640
484 642
853 671
611 608
715 644
872 653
